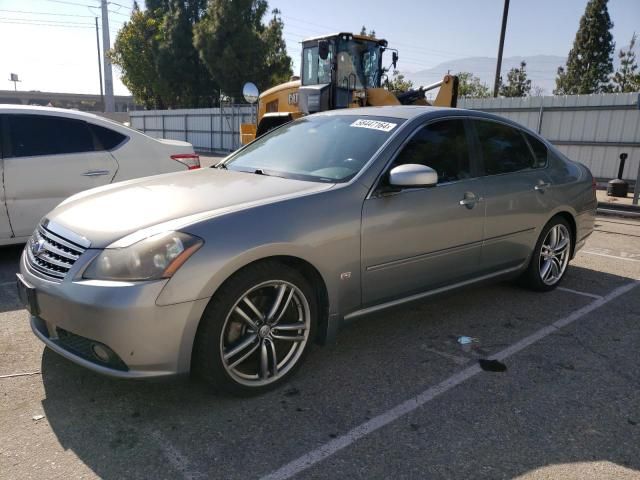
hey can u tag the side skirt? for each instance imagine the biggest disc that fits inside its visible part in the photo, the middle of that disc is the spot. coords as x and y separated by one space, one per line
432 293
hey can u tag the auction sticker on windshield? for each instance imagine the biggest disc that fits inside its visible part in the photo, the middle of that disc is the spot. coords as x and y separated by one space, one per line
374 125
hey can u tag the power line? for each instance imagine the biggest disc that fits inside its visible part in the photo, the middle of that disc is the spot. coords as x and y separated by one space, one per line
48 13
64 2
62 22
45 24
120 5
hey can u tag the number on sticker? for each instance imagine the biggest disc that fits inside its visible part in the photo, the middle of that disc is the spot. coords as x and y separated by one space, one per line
374 125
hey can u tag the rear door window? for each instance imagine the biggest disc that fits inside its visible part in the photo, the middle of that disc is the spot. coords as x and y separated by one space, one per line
107 139
503 148
540 151
442 146
34 135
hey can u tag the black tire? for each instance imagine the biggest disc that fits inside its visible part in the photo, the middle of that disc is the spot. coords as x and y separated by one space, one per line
532 276
218 321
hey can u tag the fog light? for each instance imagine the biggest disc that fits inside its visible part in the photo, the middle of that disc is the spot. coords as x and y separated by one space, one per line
101 352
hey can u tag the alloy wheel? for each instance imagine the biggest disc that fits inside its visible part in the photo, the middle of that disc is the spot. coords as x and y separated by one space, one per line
265 333
554 254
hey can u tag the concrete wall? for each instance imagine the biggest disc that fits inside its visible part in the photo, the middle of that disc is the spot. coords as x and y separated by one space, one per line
592 129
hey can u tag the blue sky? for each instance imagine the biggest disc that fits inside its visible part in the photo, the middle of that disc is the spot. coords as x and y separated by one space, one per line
51 43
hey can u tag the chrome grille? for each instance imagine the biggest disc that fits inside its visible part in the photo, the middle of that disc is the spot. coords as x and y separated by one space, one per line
50 254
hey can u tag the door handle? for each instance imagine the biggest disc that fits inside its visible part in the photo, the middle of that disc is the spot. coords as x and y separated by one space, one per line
96 173
541 187
470 200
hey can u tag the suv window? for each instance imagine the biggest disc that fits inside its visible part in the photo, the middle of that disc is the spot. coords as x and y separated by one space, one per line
31 135
539 151
442 146
503 148
107 138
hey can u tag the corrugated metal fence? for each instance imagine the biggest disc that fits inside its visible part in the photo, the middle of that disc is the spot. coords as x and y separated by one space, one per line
592 129
208 129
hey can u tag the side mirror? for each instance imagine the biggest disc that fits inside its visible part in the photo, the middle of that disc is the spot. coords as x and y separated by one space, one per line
250 92
413 175
323 49
394 59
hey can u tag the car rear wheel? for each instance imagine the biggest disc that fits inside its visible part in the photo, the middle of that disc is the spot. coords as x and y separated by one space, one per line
256 330
550 257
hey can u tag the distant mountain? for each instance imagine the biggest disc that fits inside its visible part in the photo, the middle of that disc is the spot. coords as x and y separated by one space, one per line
541 69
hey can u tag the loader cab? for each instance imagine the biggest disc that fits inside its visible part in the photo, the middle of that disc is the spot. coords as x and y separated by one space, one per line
337 70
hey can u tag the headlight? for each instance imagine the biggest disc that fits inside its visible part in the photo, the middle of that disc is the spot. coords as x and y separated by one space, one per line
155 257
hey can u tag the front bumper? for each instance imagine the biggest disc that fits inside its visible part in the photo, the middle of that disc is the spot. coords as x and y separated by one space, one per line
142 338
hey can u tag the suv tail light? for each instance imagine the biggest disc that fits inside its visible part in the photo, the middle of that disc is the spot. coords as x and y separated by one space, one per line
191 160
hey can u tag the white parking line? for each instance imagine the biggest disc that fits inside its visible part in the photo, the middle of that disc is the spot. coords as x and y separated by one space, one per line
22 374
588 252
578 292
326 450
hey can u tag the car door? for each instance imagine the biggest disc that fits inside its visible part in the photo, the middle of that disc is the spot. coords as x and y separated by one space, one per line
418 239
516 189
49 159
5 225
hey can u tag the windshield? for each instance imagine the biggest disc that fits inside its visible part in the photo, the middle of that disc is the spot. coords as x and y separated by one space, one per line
318 148
315 70
358 64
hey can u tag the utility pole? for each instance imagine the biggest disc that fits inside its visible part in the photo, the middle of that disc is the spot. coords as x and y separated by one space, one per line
99 66
109 102
505 13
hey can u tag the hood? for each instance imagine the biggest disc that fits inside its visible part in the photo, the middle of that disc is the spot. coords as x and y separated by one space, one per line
106 214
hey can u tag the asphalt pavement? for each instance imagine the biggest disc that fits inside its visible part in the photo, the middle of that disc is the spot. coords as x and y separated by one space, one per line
397 396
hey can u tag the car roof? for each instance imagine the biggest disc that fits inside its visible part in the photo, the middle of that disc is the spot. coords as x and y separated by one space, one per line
409 112
397 111
63 112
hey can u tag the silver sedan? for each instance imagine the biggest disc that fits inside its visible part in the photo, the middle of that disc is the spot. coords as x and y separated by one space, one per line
233 272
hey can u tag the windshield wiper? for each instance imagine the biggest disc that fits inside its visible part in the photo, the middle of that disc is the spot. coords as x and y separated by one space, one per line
221 166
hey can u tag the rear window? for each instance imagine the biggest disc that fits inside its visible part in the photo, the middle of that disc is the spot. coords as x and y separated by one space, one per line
504 149
107 139
33 135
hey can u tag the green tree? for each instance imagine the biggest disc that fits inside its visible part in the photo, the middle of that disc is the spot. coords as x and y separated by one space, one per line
134 52
518 85
627 77
278 64
178 62
470 86
590 61
398 84
160 65
370 33
236 47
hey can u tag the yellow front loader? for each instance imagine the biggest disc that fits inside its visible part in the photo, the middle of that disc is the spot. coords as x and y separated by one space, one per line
337 71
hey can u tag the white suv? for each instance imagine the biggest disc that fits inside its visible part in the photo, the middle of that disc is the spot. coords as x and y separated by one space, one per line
49 154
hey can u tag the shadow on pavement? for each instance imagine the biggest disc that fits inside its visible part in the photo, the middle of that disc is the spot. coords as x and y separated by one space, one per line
178 428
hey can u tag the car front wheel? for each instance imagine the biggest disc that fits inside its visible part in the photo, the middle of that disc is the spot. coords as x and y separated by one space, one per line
550 257
256 329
